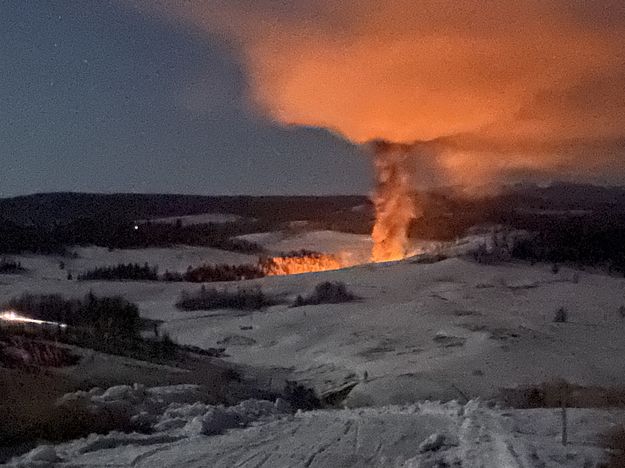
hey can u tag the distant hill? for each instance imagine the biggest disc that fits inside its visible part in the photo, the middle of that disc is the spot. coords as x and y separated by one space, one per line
572 196
46 209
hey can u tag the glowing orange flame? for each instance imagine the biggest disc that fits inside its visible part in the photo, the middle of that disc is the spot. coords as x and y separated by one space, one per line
394 203
296 264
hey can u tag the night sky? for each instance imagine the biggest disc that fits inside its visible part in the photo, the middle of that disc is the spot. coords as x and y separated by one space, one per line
97 96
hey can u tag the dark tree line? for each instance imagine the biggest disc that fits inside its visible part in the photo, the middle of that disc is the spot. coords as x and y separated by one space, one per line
592 241
10 266
202 274
118 234
122 271
222 272
104 316
51 208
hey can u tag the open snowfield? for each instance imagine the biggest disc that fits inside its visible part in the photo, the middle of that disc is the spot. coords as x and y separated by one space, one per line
450 330
440 330
177 258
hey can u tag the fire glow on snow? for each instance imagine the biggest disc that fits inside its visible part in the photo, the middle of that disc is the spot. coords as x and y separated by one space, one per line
12 316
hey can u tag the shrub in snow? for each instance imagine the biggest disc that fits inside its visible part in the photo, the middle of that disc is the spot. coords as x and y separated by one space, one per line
561 315
212 298
300 397
10 266
326 293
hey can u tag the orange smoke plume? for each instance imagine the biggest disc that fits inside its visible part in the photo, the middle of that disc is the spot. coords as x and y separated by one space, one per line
508 89
500 91
393 200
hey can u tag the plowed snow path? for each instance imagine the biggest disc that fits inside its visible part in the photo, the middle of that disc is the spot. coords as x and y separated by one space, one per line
488 441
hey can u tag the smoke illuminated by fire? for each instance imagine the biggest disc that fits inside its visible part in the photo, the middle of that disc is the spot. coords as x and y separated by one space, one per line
393 200
498 91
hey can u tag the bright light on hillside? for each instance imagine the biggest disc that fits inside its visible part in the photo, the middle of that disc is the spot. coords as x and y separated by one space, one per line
12 316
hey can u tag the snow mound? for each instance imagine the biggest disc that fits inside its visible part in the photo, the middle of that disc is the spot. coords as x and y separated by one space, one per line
160 409
42 455
165 414
143 406
218 419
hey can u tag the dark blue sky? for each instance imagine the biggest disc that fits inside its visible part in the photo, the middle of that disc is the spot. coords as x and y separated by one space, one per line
96 97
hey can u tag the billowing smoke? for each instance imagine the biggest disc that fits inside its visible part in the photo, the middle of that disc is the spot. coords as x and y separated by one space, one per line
393 199
530 89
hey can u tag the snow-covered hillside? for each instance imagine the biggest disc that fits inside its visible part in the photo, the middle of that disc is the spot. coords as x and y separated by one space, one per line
438 330
450 330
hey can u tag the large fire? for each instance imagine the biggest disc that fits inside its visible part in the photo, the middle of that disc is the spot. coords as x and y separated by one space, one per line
300 262
393 200
504 91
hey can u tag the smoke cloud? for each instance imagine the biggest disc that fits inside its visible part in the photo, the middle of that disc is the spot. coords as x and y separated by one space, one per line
499 89
472 93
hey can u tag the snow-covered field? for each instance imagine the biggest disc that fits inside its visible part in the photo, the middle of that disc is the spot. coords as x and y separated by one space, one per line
265 434
177 258
439 330
450 330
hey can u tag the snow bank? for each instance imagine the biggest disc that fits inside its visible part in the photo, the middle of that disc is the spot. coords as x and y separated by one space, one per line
160 409
44 454
165 414
417 435
217 419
